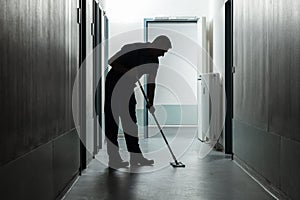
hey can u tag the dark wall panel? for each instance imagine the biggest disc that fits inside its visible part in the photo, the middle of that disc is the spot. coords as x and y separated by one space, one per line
44 172
250 80
39 53
29 177
37 73
285 69
65 165
246 151
259 149
267 89
289 167
73 56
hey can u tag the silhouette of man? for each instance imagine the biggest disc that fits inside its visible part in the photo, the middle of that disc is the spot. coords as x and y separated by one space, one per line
128 65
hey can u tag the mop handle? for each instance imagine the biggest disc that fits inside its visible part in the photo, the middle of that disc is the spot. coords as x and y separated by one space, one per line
155 119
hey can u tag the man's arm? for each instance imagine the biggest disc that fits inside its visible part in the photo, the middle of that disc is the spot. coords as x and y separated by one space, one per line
151 84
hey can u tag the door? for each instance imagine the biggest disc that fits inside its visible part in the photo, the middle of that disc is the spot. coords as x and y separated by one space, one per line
176 81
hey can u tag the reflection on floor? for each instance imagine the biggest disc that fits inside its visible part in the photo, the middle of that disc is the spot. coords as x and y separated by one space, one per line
212 178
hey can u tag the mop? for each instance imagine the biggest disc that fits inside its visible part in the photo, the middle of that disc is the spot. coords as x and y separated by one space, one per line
175 163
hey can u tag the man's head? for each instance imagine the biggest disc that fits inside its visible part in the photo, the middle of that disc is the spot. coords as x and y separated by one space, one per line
161 44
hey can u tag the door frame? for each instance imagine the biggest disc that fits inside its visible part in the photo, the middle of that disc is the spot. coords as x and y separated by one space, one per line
229 70
82 92
146 25
105 66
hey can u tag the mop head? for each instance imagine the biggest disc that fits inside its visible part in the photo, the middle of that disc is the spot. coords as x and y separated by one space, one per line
177 164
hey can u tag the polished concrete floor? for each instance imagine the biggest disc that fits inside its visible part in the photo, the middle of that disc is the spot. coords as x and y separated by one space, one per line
216 177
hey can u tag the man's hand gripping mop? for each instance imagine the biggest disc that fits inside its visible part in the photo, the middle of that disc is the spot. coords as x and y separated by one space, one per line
175 163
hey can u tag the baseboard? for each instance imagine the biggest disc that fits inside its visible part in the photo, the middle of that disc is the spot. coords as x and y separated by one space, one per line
275 192
67 188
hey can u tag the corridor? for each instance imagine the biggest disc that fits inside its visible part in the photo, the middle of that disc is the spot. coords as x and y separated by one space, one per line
87 84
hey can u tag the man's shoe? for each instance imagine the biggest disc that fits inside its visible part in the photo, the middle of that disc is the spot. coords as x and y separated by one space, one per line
141 161
118 164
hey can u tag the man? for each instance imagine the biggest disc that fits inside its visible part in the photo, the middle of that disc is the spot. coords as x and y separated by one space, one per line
128 65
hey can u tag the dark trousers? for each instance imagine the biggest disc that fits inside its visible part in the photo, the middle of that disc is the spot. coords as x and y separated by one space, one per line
112 116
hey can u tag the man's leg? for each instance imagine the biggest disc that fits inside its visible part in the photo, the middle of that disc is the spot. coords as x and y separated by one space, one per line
130 127
111 126
111 133
131 135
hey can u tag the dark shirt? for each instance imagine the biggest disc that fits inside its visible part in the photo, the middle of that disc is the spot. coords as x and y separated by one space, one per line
141 60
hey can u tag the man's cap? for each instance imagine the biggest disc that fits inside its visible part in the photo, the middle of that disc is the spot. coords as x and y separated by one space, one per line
162 42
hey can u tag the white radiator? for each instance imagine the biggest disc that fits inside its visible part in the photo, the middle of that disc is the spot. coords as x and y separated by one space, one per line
210 105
